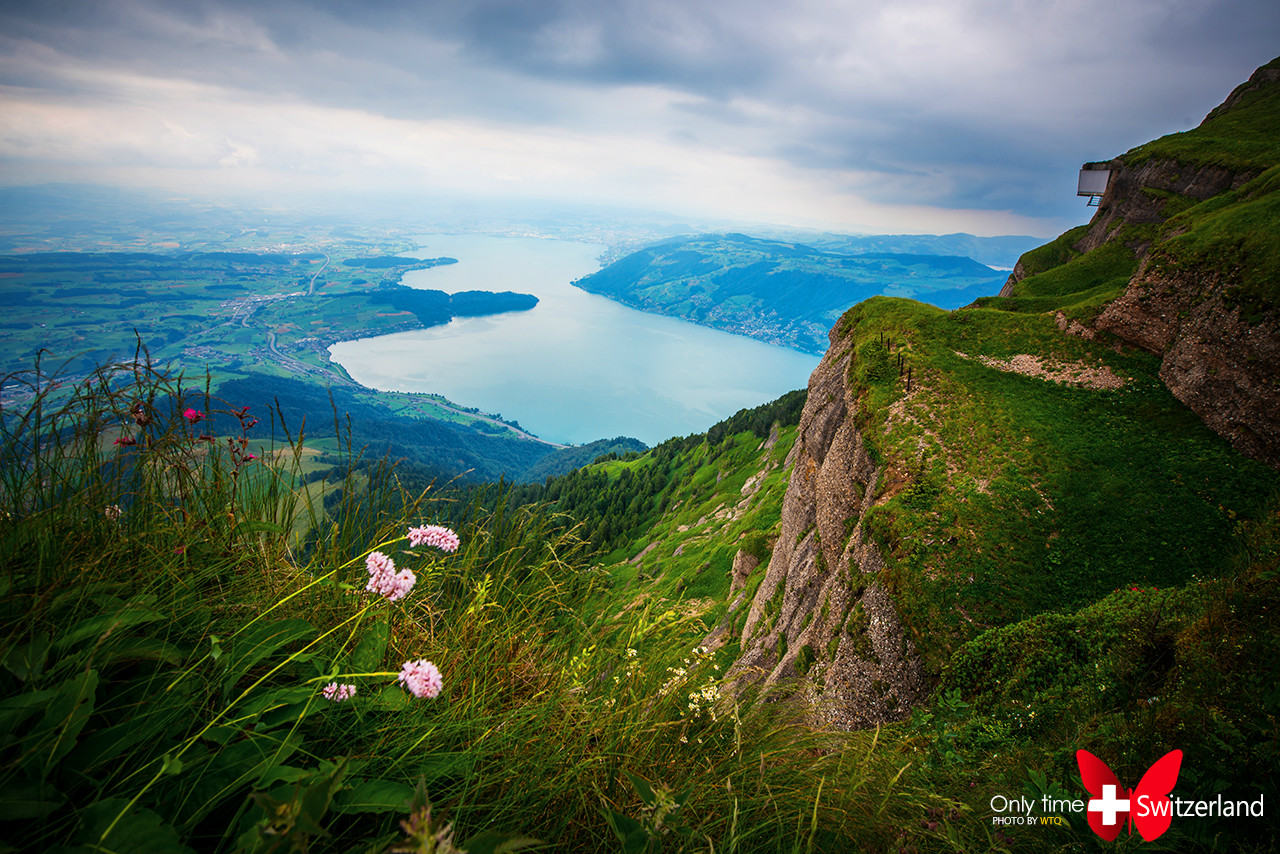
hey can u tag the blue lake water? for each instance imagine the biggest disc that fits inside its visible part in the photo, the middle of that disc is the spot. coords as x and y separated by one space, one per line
577 367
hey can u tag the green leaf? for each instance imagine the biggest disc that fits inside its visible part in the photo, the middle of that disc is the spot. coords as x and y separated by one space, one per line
262 701
172 765
28 799
374 796
372 647
643 789
146 649
236 766
15 710
317 798
64 718
257 526
391 698
137 831
93 628
154 725
26 661
257 643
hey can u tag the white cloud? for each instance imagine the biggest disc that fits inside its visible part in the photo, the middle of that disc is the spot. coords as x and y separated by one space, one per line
911 115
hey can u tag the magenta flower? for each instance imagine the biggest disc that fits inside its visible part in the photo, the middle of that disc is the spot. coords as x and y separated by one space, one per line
384 580
422 678
337 693
434 535
250 456
125 441
193 415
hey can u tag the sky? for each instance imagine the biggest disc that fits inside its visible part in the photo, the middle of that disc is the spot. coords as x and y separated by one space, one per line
899 116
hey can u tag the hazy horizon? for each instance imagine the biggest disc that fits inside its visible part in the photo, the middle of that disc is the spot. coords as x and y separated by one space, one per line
871 117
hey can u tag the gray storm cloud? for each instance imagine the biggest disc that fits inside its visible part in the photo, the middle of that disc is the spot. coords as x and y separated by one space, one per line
860 112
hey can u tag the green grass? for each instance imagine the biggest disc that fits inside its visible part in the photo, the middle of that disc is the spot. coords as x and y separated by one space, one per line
1233 234
1052 496
1077 284
162 670
1246 137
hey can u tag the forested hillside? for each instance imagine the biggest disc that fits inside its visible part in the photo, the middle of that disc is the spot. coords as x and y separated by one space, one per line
783 293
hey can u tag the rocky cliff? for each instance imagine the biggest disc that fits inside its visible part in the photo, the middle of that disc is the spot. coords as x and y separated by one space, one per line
1222 365
822 610
956 472
1190 299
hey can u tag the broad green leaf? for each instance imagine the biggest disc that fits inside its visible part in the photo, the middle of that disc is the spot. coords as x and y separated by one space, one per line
257 526
155 726
374 796
283 774
317 798
261 701
27 660
232 769
391 698
93 628
493 842
256 644
369 653
28 799
643 789
15 710
146 649
277 706
137 831
66 715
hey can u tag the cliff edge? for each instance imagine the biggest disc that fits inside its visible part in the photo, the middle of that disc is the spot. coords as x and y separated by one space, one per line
1182 260
959 472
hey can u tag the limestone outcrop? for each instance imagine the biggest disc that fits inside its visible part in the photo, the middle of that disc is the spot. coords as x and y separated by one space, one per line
821 619
1225 368
1220 358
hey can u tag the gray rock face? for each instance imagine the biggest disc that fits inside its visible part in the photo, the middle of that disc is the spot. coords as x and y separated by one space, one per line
1129 197
1226 370
821 617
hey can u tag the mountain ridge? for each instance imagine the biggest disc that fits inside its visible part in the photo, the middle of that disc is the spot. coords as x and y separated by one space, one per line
781 292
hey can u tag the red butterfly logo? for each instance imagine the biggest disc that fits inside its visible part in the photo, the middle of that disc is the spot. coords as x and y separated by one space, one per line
1148 806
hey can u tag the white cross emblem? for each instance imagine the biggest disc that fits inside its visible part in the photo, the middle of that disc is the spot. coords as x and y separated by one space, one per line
1109 805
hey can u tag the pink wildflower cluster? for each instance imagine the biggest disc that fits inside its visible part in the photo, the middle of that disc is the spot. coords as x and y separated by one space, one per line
337 693
422 678
193 415
384 580
434 535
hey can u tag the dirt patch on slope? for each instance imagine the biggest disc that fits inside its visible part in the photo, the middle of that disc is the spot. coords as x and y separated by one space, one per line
1068 373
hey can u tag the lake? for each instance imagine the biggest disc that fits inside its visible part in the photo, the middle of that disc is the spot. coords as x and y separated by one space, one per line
577 367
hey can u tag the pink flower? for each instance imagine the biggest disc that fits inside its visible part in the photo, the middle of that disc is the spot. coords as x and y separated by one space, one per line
384 580
126 441
337 693
193 415
250 456
422 678
434 535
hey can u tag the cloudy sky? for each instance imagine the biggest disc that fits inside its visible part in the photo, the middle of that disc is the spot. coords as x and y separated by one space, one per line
864 115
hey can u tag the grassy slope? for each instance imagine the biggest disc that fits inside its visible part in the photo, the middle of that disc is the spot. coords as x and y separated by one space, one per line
161 671
1062 555
1080 568
1233 233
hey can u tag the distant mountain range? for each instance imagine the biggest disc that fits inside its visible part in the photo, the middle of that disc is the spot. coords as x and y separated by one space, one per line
788 293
